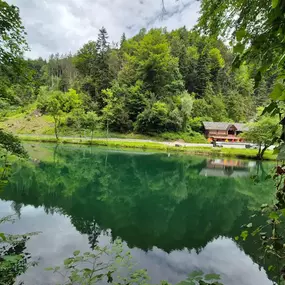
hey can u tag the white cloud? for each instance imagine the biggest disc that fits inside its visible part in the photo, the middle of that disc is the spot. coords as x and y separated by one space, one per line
65 25
221 256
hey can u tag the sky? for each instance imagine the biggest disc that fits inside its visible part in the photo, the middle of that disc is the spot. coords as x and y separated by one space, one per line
64 26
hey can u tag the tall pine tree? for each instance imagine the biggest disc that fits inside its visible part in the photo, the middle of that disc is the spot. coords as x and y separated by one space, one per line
103 74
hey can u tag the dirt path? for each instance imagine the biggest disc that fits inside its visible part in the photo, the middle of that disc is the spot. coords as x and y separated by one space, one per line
226 145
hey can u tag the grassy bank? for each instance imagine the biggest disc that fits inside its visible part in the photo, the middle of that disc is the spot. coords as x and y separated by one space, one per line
26 121
157 146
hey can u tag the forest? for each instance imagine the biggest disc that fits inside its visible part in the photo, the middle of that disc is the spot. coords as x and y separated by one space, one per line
156 82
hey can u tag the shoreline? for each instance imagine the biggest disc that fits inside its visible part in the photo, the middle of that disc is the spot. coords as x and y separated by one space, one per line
156 146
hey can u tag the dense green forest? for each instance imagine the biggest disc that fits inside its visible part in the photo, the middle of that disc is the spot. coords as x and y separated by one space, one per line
155 82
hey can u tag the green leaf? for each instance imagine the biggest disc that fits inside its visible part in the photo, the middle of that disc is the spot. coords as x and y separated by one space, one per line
68 261
244 235
255 232
239 48
76 252
274 3
240 34
249 225
270 108
195 274
212 277
49 268
3 237
186 282
277 91
273 216
237 238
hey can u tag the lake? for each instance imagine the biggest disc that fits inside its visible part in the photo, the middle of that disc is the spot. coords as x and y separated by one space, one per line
176 213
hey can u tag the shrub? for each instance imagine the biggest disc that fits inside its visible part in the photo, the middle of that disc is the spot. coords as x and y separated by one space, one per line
158 119
196 124
190 137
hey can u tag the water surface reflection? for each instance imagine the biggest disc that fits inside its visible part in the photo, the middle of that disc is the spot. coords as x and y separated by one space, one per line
173 217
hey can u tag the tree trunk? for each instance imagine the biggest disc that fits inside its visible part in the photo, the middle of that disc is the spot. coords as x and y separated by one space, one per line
263 151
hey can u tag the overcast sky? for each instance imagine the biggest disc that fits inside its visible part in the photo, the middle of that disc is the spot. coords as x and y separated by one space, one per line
65 25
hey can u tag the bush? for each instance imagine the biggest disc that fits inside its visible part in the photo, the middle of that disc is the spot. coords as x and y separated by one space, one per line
158 119
190 137
12 144
196 124
70 121
43 97
195 137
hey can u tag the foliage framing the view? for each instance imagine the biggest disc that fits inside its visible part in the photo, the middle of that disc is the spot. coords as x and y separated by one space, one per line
89 268
12 34
256 28
256 31
12 144
160 82
14 261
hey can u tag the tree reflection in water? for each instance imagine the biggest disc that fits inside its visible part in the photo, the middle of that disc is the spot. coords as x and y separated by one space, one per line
146 199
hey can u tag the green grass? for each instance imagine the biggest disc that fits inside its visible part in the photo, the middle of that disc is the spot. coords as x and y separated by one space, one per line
188 138
156 146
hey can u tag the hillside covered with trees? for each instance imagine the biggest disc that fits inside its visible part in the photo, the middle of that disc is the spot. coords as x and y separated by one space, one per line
156 82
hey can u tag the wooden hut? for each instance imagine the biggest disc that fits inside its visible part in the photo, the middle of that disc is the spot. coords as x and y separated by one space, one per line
221 131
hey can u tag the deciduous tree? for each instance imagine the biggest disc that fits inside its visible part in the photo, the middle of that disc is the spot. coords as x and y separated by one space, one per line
91 121
263 132
58 103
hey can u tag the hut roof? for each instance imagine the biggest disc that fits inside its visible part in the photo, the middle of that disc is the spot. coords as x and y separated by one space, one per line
223 126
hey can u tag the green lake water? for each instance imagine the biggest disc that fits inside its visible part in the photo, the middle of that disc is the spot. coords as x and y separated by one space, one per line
176 213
